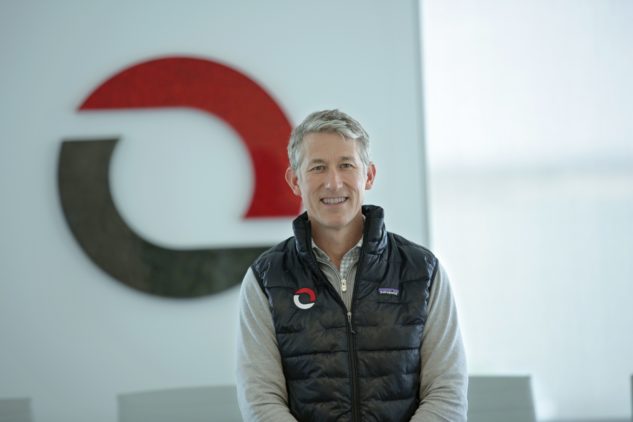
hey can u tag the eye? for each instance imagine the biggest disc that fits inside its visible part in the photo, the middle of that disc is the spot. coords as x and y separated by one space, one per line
318 168
347 166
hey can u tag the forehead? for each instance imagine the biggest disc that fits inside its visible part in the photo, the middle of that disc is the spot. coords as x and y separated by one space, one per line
328 146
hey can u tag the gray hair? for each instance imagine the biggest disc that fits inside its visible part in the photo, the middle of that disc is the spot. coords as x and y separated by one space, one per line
328 121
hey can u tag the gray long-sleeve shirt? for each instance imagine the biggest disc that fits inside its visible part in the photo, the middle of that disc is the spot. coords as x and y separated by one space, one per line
261 385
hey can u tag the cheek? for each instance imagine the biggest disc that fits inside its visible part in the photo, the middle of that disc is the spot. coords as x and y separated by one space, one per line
311 183
358 182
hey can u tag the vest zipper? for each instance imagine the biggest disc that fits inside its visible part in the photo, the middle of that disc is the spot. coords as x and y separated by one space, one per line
351 338
351 341
349 319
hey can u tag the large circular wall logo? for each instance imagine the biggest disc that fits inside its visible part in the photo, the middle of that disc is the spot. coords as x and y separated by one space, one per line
84 188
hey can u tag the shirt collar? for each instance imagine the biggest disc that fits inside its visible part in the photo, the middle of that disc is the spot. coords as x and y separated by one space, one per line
321 254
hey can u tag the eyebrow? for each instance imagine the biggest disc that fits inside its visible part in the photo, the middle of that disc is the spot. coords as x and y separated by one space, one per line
322 161
347 158
316 161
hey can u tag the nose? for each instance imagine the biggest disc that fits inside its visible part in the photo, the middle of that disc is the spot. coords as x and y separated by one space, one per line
333 179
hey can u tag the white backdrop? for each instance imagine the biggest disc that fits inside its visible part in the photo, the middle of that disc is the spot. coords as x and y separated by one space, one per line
71 337
530 144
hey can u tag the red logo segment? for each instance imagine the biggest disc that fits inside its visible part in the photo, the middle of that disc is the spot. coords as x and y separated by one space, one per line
311 298
226 93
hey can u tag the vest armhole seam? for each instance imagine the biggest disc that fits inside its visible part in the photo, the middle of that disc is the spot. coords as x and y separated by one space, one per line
259 280
434 274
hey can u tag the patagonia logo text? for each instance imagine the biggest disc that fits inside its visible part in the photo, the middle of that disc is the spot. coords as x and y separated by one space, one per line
388 291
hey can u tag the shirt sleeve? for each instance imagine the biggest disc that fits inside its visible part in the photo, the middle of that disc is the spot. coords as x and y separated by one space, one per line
261 386
444 375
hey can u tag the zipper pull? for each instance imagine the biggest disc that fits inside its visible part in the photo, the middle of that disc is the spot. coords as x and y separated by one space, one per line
343 285
349 319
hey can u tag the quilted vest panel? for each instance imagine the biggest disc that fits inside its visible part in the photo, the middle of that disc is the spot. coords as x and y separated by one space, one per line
340 368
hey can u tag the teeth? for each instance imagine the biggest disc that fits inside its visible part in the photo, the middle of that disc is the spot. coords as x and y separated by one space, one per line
331 201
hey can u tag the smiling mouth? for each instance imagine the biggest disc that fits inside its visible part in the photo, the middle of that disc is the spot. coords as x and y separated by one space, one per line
334 200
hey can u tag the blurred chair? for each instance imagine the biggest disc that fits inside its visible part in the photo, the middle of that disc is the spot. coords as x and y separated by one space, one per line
500 399
193 404
15 410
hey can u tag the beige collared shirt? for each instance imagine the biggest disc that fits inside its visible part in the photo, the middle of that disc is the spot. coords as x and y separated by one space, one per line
341 278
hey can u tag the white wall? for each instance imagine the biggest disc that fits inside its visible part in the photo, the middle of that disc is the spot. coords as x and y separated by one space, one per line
527 105
71 337
530 138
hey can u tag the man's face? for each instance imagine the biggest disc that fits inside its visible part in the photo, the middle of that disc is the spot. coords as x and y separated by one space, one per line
331 180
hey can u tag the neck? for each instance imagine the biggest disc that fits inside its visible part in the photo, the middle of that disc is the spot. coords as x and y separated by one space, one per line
336 242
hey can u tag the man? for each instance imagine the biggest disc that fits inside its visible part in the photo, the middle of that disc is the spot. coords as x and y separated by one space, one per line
345 321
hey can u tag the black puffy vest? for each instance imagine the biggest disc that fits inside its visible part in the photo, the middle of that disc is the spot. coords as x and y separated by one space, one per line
358 366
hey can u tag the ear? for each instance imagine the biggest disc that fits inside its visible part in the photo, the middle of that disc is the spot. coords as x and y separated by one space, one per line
371 176
293 181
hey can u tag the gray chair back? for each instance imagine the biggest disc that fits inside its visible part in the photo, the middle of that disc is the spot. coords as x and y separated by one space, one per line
15 410
500 399
193 404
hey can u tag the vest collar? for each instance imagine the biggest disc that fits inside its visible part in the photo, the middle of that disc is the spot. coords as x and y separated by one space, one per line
374 233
